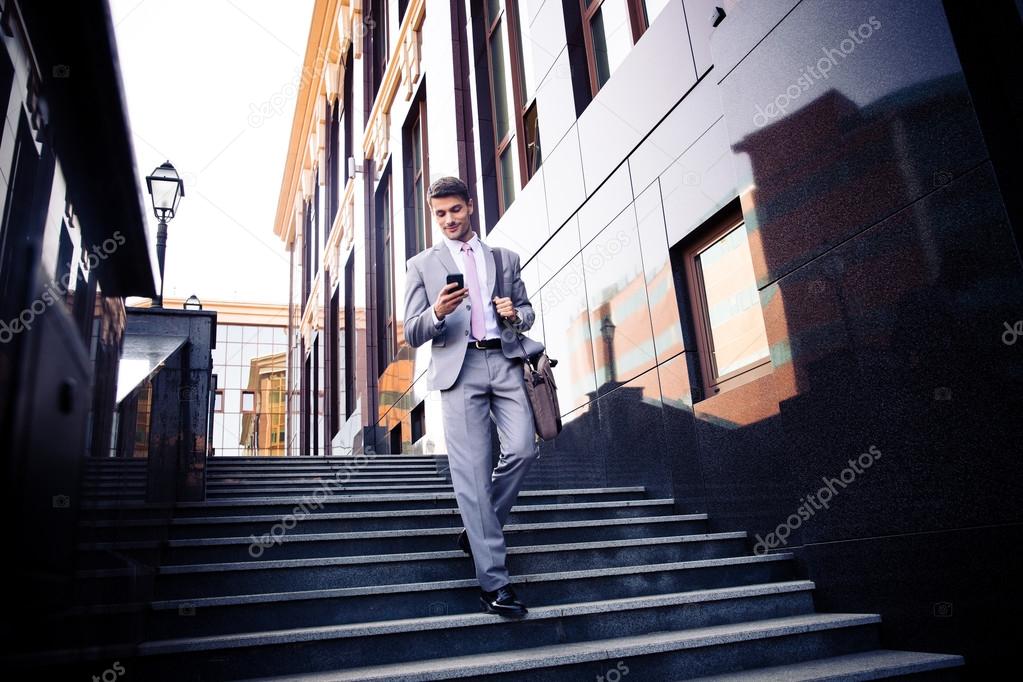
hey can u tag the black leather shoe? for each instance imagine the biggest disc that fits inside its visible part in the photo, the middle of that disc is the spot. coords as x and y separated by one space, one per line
463 543
503 602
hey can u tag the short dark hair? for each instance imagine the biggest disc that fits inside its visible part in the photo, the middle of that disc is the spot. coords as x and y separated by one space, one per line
448 186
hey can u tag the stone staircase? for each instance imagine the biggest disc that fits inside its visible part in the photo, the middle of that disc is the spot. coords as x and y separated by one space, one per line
284 572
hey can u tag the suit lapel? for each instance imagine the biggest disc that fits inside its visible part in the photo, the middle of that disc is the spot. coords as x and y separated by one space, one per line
445 258
444 254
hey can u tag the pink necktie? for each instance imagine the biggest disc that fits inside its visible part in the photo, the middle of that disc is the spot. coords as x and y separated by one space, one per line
472 281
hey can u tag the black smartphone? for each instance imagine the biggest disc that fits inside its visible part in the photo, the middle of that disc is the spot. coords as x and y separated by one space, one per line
459 279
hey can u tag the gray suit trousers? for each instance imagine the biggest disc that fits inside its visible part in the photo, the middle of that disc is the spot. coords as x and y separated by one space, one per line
488 385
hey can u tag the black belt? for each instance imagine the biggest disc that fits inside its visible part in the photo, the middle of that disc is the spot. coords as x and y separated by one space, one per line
486 343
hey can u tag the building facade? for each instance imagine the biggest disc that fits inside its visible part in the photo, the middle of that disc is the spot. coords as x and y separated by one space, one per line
770 244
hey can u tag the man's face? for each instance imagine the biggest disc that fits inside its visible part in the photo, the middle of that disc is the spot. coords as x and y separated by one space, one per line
452 217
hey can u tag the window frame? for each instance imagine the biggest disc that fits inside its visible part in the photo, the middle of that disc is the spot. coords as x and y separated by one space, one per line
519 109
417 117
241 402
696 295
637 23
388 325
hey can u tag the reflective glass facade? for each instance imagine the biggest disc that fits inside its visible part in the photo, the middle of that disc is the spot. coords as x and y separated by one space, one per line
250 365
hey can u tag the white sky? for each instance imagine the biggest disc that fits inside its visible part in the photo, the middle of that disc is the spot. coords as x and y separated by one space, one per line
211 87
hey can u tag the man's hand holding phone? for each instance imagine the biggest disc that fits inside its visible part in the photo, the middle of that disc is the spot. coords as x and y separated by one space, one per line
450 296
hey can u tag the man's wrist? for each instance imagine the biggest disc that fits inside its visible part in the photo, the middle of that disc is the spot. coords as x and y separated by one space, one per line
437 319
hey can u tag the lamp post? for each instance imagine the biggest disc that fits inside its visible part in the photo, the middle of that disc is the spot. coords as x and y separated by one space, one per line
165 189
607 332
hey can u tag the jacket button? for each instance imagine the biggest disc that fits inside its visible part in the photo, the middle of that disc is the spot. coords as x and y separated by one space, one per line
466 332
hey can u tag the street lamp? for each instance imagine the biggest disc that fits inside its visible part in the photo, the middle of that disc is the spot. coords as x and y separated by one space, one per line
193 303
165 189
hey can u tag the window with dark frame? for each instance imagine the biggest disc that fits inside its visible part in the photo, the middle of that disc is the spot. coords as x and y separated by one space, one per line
349 335
307 254
418 421
333 362
379 45
387 346
516 136
724 301
610 29
218 400
395 438
65 254
316 398
333 159
417 172
248 402
346 115
305 414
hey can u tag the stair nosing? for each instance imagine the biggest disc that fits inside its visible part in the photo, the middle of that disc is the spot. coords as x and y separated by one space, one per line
411 532
364 497
924 662
312 563
178 569
378 514
694 637
391 588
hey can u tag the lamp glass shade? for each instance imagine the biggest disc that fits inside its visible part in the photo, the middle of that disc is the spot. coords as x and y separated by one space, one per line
166 189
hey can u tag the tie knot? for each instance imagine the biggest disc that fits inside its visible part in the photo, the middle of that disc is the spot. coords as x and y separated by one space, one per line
466 247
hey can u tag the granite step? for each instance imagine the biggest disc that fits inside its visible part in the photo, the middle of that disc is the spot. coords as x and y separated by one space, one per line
332 522
314 482
294 472
869 665
336 459
657 638
262 575
219 493
286 504
284 610
278 542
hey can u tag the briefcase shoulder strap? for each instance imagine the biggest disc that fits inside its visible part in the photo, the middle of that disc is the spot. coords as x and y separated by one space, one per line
499 271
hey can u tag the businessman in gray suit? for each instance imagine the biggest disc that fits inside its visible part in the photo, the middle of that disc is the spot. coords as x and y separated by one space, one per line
478 371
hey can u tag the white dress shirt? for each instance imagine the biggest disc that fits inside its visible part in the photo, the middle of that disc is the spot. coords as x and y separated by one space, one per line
489 314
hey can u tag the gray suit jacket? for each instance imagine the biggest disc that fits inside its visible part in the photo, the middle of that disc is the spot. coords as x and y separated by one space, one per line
426 273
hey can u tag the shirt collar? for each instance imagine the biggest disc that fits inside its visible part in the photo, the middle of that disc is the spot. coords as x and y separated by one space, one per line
455 245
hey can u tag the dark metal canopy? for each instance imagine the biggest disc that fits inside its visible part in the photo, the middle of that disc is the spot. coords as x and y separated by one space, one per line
76 54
